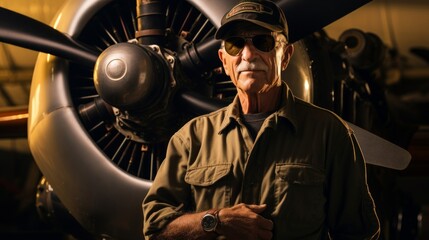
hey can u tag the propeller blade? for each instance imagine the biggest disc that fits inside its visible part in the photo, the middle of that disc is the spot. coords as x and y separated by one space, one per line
199 104
380 152
26 32
307 17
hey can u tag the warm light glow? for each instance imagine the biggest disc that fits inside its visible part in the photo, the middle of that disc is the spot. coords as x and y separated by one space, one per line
14 117
35 105
306 85
307 90
57 21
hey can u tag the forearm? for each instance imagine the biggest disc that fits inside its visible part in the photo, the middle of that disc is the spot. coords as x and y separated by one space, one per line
185 227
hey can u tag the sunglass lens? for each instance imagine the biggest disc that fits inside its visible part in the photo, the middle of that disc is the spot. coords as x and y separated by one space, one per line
264 43
234 45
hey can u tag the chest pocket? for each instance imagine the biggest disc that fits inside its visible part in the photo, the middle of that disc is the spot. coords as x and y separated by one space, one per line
211 187
299 196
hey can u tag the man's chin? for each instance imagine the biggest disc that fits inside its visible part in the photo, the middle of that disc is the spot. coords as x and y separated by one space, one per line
253 89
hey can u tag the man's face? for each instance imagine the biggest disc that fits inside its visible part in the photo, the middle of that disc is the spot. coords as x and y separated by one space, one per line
252 70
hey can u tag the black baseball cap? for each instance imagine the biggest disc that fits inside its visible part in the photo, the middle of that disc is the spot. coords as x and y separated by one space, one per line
263 13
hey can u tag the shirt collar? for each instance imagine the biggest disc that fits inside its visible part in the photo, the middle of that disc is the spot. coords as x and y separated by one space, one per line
287 106
286 110
231 116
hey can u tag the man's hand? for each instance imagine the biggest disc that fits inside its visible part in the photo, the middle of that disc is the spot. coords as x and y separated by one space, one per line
244 221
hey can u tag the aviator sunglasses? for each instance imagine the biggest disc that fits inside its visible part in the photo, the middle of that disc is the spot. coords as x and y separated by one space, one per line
263 42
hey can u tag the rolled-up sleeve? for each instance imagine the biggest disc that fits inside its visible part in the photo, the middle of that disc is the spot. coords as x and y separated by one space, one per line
167 197
351 209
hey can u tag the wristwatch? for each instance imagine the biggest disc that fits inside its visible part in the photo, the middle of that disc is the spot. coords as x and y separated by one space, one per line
210 221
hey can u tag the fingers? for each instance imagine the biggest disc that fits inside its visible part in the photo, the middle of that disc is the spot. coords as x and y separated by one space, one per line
261 221
244 221
257 208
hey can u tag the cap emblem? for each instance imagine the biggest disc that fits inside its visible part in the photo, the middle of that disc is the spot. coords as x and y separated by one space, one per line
249 7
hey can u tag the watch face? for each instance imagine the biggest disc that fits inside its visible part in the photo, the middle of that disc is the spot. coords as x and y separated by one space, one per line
209 222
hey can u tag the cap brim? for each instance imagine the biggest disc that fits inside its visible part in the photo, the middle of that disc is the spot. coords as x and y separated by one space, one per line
220 33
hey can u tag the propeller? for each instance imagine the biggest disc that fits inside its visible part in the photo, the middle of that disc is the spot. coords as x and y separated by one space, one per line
26 32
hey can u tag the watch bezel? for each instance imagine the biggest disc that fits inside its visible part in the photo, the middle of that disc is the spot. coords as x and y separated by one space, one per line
209 222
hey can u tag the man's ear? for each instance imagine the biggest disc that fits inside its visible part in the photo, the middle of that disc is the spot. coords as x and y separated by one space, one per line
288 52
221 55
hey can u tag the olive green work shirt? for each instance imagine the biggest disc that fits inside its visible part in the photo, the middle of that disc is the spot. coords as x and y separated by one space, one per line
305 164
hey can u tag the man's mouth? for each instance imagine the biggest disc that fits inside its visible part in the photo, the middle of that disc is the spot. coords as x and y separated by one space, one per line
251 70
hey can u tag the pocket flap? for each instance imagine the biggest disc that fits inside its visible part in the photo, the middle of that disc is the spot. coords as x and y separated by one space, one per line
300 174
207 175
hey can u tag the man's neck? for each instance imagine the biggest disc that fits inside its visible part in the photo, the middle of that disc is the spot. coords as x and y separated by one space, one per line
260 102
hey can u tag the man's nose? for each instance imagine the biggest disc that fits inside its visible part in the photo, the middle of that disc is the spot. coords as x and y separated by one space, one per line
248 52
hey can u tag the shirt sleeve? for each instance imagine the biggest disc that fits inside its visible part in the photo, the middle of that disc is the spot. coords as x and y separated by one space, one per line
167 197
351 209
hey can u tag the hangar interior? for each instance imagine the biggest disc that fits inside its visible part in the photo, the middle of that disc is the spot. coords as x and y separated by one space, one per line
402 194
